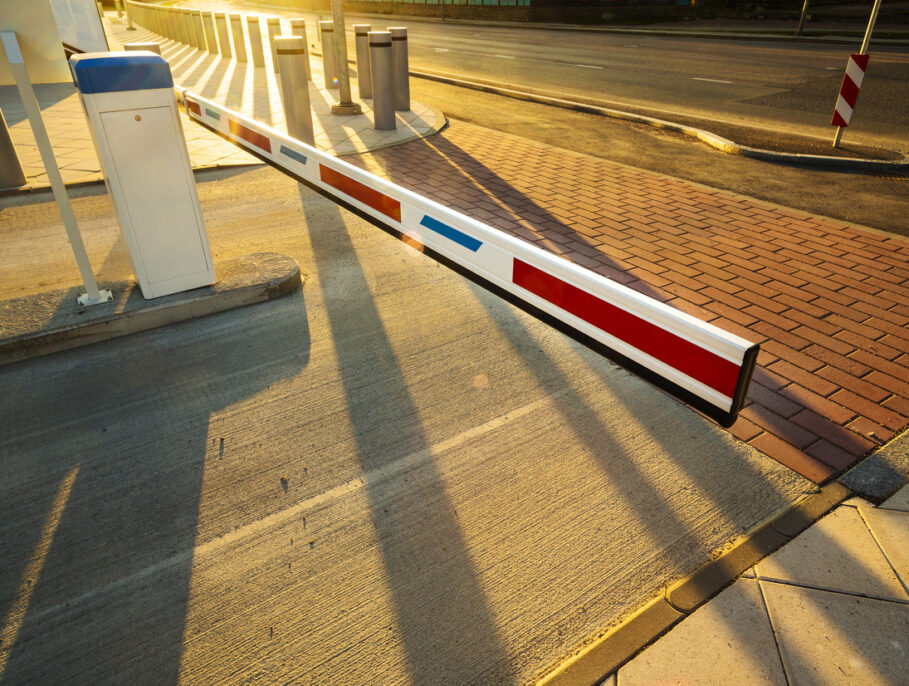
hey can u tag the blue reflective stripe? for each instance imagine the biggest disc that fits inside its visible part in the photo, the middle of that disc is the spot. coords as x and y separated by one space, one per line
212 114
113 73
293 154
451 233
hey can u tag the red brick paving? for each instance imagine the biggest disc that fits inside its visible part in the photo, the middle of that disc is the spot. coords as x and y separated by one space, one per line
826 300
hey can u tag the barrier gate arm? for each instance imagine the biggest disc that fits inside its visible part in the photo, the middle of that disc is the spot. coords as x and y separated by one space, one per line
698 362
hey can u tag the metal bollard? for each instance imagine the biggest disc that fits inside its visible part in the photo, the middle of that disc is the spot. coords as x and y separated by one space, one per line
400 68
364 78
383 102
236 28
199 29
291 51
150 47
273 28
208 28
329 55
221 27
298 28
254 28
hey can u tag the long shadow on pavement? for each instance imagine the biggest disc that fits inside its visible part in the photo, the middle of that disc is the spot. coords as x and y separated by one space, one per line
443 616
103 454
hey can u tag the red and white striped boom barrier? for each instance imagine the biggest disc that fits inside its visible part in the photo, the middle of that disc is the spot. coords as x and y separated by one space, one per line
696 361
849 90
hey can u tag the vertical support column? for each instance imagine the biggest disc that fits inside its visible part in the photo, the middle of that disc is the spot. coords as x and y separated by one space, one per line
254 28
221 26
291 52
11 174
273 28
383 102
400 68
187 25
364 78
236 29
298 28
129 18
119 5
329 54
208 28
200 29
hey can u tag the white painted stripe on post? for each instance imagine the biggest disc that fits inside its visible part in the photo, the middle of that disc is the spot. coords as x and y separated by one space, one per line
843 108
493 255
854 72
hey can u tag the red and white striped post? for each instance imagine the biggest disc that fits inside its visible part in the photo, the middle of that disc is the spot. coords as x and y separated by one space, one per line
849 90
852 81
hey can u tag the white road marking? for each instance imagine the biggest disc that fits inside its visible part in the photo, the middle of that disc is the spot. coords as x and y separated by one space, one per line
505 57
589 66
695 78
441 49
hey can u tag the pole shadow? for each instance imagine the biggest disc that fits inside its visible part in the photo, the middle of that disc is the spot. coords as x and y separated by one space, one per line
126 423
447 627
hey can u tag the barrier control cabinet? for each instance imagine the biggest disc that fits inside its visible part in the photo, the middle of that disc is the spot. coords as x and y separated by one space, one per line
132 113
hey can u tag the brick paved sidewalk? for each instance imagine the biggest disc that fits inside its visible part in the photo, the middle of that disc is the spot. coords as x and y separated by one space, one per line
827 301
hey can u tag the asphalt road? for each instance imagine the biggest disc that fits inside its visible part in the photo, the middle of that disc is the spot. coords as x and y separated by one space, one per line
779 85
391 477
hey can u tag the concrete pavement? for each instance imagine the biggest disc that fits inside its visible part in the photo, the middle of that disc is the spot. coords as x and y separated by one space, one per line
831 607
391 475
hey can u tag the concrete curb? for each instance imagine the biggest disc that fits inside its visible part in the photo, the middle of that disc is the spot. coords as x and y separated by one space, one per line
253 279
619 644
711 139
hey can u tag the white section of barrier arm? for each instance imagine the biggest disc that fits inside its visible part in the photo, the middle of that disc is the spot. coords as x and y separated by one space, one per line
496 258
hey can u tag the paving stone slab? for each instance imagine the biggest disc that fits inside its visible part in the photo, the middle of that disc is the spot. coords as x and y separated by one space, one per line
837 553
728 640
899 500
838 640
891 529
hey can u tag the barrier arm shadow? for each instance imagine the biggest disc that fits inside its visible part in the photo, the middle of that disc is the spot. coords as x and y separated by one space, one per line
699 363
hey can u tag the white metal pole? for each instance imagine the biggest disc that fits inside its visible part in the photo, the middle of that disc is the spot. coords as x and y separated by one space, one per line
92 295
862 51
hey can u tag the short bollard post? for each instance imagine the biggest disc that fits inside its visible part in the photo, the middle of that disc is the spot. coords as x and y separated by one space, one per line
329 55
199 29
236 29
273 27
148 47
254 28
364 78
221 27
291 52
298 28
400 68
208 28
383 102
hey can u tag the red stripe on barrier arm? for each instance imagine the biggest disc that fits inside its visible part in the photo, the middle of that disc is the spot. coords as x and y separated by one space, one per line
710 369
366 195
250 136
192 106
